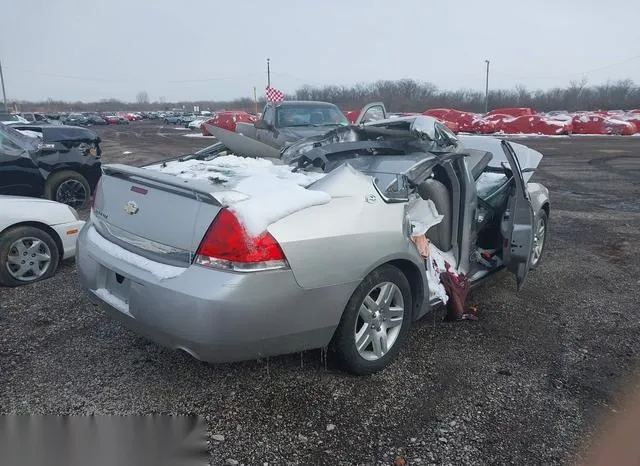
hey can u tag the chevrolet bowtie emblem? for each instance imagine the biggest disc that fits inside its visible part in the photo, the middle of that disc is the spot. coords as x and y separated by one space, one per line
131 208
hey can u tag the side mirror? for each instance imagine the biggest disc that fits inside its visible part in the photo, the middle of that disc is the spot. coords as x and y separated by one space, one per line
260 124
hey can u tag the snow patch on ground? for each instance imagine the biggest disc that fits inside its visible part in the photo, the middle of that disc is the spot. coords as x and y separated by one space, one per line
197 135
528 135
256 190
161 271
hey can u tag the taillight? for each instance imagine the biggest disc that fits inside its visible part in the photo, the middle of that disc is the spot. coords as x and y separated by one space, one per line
227 245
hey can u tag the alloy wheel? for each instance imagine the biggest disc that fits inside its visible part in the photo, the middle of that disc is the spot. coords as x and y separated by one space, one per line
538 241
72 193
379 321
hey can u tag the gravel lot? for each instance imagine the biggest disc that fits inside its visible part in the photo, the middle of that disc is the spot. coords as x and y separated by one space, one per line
526 384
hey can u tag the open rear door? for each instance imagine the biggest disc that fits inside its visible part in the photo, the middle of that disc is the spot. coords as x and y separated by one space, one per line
517 223
372 112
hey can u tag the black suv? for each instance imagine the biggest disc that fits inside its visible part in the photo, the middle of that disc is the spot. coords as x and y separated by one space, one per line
61 163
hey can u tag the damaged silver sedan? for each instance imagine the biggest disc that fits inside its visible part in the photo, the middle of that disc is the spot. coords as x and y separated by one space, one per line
231 258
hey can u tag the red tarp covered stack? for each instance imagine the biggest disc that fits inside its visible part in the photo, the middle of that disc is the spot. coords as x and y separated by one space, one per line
227 120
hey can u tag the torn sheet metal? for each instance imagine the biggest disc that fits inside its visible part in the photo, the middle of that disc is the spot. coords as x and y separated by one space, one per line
422 215
243 145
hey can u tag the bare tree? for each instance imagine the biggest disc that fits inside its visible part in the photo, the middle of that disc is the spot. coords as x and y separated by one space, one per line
142 97
404 95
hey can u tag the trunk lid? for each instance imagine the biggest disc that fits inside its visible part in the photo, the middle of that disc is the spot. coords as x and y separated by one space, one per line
159 216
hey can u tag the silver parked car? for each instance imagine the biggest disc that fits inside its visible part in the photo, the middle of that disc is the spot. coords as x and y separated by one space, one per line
199 254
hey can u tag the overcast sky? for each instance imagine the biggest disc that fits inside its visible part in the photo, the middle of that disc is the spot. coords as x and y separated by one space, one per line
217 50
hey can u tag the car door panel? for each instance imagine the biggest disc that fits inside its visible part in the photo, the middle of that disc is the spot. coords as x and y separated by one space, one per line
265 134
19 176
517 226
372 112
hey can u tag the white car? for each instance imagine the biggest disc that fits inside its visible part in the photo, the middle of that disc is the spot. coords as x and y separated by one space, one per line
35 235
195 124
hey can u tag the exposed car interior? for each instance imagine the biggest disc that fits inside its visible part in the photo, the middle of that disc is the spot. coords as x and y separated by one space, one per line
493 187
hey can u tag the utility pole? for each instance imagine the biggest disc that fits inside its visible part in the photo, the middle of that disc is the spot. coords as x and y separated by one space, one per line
268 73
4 94
255 98
486 90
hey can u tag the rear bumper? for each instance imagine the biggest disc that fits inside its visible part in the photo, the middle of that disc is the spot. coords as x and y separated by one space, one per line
214 315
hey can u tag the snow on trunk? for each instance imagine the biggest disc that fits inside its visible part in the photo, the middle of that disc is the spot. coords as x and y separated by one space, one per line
256 190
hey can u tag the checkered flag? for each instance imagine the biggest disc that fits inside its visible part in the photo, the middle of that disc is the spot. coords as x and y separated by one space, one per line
274 95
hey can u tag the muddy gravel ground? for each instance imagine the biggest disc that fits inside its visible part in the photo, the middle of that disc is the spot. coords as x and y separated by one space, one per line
526 384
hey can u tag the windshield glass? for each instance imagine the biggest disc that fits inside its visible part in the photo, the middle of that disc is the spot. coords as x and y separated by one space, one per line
309 115
15 136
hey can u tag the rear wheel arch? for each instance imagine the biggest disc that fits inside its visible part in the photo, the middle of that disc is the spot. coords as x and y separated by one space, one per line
413 275
43 227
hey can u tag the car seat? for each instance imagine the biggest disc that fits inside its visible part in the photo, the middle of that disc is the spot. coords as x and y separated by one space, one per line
440 234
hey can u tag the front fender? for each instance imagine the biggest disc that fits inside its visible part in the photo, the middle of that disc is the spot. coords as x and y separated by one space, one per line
539 196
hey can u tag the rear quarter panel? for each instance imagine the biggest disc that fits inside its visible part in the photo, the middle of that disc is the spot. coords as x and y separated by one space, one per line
344 240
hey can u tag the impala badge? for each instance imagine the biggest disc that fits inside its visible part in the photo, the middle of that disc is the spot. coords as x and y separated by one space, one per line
131 208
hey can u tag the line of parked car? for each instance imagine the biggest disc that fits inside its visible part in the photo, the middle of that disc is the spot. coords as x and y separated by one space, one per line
97 118
497 121
47 171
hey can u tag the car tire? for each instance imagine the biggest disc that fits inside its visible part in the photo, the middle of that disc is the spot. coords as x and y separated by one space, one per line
384 323
68 187
540 234
20 238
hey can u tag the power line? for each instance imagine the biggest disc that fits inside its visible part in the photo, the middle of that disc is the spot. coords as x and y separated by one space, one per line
85 78
570 75
64 76
289 75
219 78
